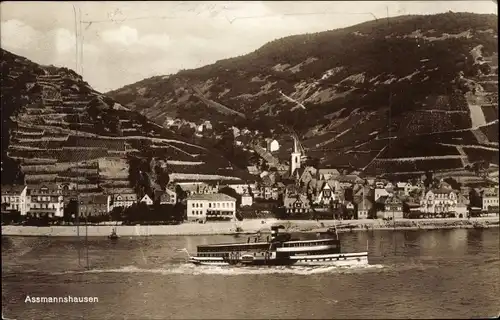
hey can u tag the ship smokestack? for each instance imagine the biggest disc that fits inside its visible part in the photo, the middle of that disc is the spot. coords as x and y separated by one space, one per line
274 231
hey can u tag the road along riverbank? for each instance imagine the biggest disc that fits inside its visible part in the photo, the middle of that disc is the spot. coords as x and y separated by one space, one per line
249 227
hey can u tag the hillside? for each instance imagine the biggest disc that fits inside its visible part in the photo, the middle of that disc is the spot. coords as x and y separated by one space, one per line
400 95
56 128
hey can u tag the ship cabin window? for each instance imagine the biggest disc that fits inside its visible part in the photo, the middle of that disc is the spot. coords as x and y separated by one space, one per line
306 244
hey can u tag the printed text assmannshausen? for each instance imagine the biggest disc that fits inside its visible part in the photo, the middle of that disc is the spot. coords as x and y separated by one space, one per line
64 299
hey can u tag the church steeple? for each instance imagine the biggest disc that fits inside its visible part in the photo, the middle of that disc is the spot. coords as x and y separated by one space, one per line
295 161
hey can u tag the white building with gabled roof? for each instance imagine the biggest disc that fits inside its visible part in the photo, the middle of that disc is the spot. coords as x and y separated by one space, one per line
147 200
272 145
14 198
206 207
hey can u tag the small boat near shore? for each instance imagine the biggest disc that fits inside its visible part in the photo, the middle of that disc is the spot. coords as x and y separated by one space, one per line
279 250
113 235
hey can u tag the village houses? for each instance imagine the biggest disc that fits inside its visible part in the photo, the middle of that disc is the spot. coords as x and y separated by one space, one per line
199 187
299 189
165 197
94 205
327 174
241 187
296 203
393 208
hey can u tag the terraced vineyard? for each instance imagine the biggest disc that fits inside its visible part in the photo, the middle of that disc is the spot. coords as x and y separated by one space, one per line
59 129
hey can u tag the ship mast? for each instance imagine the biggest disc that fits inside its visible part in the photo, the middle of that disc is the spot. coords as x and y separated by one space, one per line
335 228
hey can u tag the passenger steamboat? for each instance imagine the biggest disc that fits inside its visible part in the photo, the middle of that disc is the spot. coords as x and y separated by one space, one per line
279 250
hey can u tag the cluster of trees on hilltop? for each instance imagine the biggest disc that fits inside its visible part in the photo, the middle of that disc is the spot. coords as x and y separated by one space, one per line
139 170
297 48
236 155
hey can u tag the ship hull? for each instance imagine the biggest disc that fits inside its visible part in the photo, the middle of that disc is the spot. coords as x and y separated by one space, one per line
338 259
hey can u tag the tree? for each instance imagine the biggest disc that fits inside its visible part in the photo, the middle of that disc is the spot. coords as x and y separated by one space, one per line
254 159
475 199
372 212
485 68
239 217
348 194
11 216
162 176
180 193
116 214
453 183
481 168
137 212
70 211
232 193
428 179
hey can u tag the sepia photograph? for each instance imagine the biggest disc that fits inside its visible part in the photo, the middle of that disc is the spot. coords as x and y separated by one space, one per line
249 160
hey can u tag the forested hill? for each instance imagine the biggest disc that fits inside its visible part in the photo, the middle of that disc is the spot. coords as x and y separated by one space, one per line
407 80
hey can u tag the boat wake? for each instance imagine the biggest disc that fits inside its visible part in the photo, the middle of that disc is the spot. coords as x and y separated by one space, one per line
190 269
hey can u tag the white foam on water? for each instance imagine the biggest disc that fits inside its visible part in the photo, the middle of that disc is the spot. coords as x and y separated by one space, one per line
190 269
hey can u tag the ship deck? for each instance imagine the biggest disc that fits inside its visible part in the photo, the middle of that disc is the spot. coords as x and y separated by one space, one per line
246 244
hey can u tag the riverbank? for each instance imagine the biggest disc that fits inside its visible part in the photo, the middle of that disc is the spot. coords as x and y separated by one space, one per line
250 227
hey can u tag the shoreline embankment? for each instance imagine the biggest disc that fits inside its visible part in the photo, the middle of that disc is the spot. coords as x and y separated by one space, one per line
250 227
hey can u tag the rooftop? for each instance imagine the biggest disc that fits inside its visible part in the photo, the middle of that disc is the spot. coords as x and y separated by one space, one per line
42 188
163 195
347 178
211 197
12 189
94 199
329 170
365 205
118 191
443 191
382 199
233 182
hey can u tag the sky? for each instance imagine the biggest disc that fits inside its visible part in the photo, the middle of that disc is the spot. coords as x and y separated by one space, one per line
114 43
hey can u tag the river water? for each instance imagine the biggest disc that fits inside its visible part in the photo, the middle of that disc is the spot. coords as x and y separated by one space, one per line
412 274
